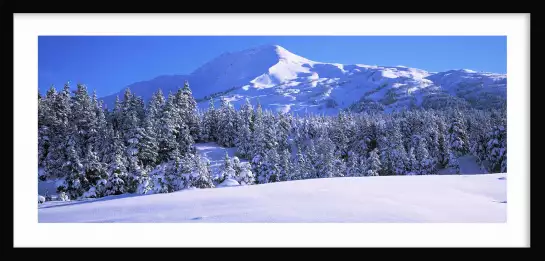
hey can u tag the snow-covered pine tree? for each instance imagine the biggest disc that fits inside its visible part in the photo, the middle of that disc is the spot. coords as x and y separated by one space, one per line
426 164
300 166
270 171
136 176
353 165
246 113
168 145
226 170
185 141
95 174
497 149
243 139
312 160
149 145
187 107
204 179
155 108
243 135
83 118
258 134
286 166
46 120
457 136
237 167
442 138
210 123
283 126
73 169
397 155
172 177
117 167
188 165
116 116
339 135
453 163
431 134
478 129
58 134
374 165
326 158
226 124
412 166
102 129
246 176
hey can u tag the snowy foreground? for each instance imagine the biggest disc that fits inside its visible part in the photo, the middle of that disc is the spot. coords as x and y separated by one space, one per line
429 198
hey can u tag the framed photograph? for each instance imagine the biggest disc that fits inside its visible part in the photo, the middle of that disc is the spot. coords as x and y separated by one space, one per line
292 130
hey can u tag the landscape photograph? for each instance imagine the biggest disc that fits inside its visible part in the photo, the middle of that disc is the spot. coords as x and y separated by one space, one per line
271 129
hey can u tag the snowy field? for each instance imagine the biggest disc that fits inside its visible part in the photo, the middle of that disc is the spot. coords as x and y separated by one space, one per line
430 198
471 197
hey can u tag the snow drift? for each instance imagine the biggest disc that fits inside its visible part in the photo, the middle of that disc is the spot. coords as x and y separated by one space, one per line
427 198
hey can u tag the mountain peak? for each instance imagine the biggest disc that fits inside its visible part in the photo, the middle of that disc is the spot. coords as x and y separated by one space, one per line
273 52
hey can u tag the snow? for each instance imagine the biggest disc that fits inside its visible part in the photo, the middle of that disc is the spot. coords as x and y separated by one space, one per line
215 153
468 166
41 199
418 198
279 77
228 183
427 198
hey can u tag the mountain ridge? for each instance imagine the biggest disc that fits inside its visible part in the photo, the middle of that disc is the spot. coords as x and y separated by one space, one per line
284 81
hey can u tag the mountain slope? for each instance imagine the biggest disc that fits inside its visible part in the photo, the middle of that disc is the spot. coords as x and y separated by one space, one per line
284 81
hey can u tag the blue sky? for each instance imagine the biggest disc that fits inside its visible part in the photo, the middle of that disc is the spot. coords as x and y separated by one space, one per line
109 63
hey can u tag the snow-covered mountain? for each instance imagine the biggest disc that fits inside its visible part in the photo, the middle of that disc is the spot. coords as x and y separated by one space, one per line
284 81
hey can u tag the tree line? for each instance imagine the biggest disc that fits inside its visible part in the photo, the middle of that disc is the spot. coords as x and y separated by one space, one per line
139 147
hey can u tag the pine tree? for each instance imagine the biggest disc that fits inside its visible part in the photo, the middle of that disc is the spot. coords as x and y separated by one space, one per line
204 179
444 148
210 123
353 165
83 118
185 141
60 131
326 159
413 166
149 146
95 174
453 162
374 163
246 176
286 166
46 121
187 109
282 131
301 166
258 135
426 164
237 167
168 145
312 161
154 109
73 169
244 135
339 135
227 124
458 140
117 170
271 168
497 149
226 171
